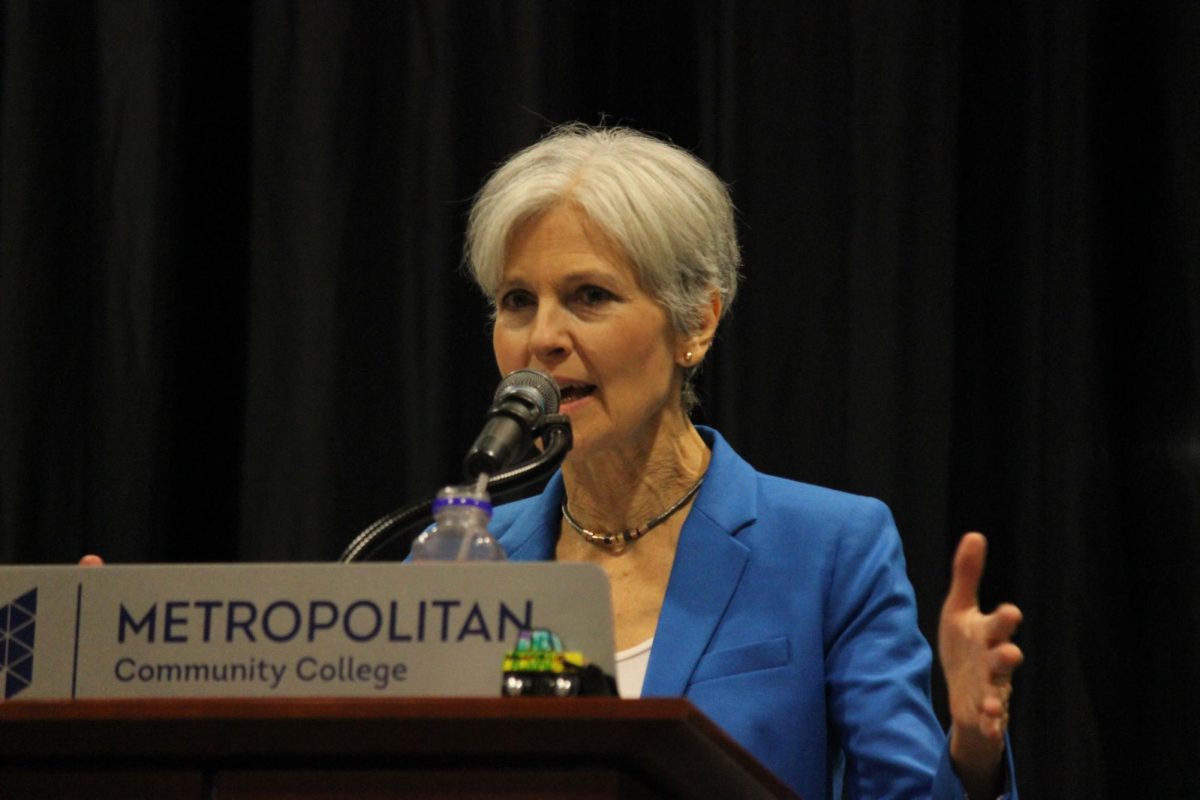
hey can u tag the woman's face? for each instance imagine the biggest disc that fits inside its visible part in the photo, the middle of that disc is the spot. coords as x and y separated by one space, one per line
570 304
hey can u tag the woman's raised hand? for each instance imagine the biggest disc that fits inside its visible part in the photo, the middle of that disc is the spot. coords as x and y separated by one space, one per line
978 659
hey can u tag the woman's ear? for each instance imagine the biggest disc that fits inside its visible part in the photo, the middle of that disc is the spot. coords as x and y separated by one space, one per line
694 346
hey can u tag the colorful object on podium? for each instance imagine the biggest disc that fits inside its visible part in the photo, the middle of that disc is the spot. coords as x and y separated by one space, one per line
538 666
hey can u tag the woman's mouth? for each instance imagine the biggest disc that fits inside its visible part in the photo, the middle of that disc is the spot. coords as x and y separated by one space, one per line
576 392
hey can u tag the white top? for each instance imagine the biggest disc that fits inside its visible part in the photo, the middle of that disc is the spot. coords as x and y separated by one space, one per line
631 669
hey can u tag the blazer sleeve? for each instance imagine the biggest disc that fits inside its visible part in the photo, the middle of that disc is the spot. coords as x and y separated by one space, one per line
877 669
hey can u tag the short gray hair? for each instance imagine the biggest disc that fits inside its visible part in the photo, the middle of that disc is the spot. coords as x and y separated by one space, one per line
667 211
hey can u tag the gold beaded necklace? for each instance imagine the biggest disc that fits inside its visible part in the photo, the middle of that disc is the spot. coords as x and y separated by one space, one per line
616 542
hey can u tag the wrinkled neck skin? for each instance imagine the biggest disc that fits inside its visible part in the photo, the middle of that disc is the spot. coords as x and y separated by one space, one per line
627 484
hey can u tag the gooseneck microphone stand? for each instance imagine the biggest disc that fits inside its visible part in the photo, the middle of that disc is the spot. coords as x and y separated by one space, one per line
405 524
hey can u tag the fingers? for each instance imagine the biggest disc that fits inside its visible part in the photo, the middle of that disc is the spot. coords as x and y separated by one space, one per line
993 712
1003 661
994 706
992 718
992 726
1001 624
966 573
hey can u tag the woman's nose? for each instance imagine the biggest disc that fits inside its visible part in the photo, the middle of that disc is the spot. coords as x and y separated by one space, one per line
550 340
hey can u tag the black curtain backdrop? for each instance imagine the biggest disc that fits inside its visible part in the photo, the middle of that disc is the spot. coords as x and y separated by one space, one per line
232 326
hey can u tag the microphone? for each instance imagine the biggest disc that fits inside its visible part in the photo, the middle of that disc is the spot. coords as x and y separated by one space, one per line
521 400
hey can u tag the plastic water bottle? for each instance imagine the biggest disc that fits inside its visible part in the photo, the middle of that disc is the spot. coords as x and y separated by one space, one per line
459 531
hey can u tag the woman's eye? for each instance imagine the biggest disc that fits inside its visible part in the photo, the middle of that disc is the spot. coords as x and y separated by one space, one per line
515 300
594 295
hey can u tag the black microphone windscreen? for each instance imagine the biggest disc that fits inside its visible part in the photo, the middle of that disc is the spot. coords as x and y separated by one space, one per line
537 380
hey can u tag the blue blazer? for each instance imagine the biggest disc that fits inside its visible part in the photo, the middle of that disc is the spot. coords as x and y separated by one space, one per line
790 621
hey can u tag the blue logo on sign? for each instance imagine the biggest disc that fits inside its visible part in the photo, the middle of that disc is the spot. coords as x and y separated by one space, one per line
16 643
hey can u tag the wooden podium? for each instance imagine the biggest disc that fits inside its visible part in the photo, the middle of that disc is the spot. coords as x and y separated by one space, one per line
370 748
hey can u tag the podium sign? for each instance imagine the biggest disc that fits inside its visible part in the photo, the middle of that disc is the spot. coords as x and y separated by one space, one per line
287 630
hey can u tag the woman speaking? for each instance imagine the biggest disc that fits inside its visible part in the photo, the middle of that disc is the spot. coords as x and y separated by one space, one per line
782 610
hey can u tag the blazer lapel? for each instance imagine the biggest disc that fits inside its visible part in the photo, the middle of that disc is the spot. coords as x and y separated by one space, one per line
708 567
534 533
